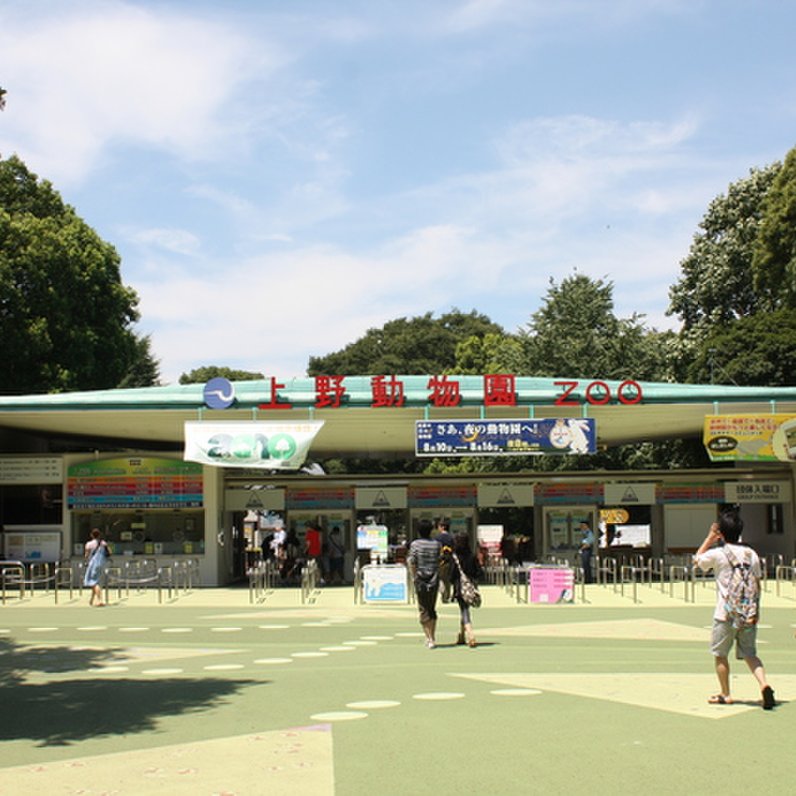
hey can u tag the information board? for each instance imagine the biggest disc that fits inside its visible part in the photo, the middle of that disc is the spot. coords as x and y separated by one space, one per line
135 482
551 585
384 583
32 547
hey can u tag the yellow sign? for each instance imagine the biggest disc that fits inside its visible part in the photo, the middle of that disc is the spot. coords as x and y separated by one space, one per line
750 437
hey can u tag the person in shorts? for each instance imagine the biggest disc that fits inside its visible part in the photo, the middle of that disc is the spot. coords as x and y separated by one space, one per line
720 548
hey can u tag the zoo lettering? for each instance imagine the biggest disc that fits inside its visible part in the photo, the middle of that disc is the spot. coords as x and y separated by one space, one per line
444 391
598 393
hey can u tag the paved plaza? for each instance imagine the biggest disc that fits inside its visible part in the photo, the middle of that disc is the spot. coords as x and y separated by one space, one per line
209 693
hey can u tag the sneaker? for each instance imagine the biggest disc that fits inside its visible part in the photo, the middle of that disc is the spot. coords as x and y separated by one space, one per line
430 644
768 698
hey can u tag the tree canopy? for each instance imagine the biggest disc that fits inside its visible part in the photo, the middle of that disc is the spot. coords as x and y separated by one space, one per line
774 259
66 319
204 374
412 346
575 333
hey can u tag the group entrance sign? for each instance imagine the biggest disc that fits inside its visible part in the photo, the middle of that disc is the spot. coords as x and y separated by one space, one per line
505 437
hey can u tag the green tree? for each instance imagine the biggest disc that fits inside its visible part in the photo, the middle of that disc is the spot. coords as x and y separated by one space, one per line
144 371
490 353
757 350
204 374
774 260
66 319
413 346
576 334
716 285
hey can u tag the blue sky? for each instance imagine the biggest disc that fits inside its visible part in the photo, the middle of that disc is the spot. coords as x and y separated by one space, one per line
279 177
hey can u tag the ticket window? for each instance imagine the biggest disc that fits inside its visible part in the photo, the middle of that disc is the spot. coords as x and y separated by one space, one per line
562 532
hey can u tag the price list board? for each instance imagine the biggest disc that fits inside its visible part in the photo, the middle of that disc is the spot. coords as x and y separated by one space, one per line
135 483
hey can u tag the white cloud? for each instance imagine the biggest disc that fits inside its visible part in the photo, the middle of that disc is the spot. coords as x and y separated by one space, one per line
85 79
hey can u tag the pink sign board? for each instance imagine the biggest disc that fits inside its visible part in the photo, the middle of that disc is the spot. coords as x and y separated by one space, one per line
551 585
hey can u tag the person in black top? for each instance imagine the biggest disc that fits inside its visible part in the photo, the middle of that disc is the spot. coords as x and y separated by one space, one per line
446 541
468 563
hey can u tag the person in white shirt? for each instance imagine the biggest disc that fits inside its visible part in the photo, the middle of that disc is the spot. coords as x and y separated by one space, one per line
721 551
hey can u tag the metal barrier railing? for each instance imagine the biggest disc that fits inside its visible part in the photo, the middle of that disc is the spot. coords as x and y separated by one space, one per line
310 580
784 572
263 576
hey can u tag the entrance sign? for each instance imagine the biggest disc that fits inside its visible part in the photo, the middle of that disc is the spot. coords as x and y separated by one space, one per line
757 492
265 446
384 584
505 437
551 585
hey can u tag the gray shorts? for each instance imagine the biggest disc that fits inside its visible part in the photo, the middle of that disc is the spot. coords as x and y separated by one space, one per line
724 634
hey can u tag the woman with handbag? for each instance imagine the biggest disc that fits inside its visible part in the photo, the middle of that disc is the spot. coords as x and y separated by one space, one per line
465 576
96 555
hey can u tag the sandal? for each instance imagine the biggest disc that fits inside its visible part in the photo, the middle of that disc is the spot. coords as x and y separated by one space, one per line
720 699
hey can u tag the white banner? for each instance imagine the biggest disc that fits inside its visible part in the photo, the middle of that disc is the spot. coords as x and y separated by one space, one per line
267 446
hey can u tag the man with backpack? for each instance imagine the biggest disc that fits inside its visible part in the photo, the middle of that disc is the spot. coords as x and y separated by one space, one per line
737 571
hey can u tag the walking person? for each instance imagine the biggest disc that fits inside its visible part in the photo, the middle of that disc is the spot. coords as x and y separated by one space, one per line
736 568
423 561
586 550
446 542
467 562
336 554
96 554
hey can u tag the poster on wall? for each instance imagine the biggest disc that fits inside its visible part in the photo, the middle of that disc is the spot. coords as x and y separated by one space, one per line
263 446
573 435
32 547
373 538
761 438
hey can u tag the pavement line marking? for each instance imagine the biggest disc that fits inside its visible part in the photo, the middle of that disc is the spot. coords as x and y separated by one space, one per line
339 648
437 696
308 654
273 660
376 638
360 643
339 715
515 692
222 667
225 629
42 629
273 627
373 704
161 671
133 629
177 630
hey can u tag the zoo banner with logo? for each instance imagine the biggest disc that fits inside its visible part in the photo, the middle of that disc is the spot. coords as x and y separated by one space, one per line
267 446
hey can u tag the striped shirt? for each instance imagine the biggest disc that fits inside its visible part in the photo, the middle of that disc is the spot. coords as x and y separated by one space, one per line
423 558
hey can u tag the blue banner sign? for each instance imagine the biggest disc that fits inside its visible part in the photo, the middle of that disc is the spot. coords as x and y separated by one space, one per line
529 437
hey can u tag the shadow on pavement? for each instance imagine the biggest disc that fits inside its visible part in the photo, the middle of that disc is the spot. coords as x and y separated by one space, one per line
64 711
